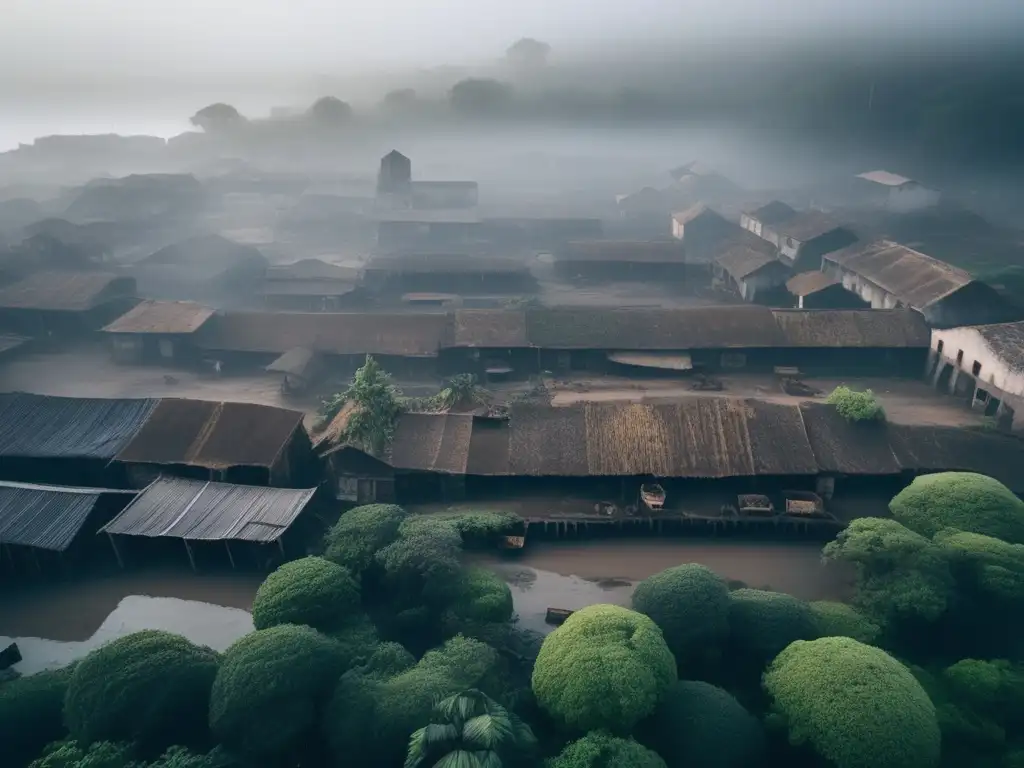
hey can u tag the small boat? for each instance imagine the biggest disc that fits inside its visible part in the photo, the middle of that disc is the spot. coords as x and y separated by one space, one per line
653 496
804 504
557 616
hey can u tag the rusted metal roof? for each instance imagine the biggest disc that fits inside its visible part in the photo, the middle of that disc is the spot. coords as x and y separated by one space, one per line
200 511
212 435
496 328
434 442
57 291
915 278
885 178
339 333
40 426
162 317
839 328
807 283
742 261
46 516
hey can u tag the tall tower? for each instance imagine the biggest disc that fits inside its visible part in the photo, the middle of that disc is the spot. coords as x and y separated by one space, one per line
395 175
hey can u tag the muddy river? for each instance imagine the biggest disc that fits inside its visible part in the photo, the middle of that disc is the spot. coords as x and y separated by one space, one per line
56 624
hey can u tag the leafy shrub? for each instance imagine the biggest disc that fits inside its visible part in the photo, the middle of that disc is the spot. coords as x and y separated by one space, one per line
360 532
699 724
763 623
842 620
388 660
962 500
601 750
483 597
690 603
31 714
151 688
311 591
856 406
271 685
605 667
995 687
992 565
71 754
854 704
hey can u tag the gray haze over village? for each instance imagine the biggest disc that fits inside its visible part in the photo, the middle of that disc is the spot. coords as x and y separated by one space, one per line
434 348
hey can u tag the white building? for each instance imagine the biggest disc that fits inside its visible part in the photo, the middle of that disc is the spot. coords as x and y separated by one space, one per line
888 275
804 238
985 363
898 193
761 220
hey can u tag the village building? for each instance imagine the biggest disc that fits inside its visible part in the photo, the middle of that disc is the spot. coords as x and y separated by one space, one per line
896 193
44 526
803 238
696 181
394 177
761 221
985 364
64 303
298 368
226 442
489 343
243 522
405 229
451 272
445 195
158 331
209 268
311 285
701 231
403 343
642 260
750 272
886 274
817 290
538 231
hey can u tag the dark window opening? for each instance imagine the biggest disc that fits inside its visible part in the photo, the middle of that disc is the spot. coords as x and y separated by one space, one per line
940 346
959 356
976 368
981 395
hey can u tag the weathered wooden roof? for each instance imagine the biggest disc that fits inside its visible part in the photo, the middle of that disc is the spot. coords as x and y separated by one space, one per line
168 317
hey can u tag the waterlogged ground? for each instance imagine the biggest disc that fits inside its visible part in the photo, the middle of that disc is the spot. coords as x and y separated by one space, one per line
57 623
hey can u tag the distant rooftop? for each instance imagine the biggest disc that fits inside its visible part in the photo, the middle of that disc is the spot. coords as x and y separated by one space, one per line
885 178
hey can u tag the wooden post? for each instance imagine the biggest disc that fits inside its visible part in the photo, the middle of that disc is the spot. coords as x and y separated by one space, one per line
227 546
191 557
117 553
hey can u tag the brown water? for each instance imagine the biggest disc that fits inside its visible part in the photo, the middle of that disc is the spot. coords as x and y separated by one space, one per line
55 624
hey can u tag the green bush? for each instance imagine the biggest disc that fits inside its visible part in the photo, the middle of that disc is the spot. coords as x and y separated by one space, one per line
842 620
388 660
151 688
31 714
762 623
311 591
606 667
476 526
994 687
357 641
270 688
421 567
854 704
102 754
856 406
483 597
962 500
690 603
360 532
372 712
699 724
601 750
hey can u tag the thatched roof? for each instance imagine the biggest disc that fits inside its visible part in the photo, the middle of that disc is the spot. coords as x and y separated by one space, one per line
844 448
59 291
166 317
490 328
837 328
432 442
1006 340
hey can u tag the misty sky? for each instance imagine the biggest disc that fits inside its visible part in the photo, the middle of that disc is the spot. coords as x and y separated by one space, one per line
76 39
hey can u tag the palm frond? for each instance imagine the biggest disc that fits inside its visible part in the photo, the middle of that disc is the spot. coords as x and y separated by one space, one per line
487 731
429 738
462 759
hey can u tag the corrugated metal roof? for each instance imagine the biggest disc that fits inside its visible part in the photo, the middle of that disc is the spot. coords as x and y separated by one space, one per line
202 511
162 317
741 261
808 225
45 516
885 178
39 426
65 291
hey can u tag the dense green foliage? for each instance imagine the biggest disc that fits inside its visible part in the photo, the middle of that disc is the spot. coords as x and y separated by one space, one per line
601 750
474 730
701 724
606 668
856 406
149 687
762 623
311 591
102 754
270 688
961 500
690 603
377 406
842 620
360 533
31 714
856 705
483 597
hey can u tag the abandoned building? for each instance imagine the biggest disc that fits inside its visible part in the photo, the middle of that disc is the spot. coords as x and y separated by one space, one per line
444 195
405 229
817 290
895 193
64 303
52 525
227 442
642 260
761 221
985 364
206 515
394 176
311 285
450 273
750 272
806 237
886 274
158 331
702 230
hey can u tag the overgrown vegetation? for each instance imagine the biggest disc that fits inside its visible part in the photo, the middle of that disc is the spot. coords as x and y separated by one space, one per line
375 407
459 392
856 406
390 651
